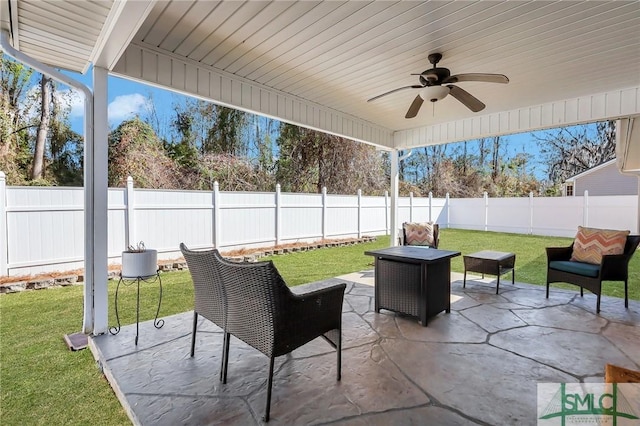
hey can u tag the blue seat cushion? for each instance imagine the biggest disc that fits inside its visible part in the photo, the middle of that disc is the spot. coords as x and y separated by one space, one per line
580 268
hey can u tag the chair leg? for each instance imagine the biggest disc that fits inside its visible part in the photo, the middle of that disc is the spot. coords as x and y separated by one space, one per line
626 294
581 292
193 333
225 356
547 289
269 386
339 355
598 304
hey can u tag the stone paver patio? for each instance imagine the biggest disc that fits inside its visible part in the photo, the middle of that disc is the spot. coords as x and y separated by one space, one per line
477 365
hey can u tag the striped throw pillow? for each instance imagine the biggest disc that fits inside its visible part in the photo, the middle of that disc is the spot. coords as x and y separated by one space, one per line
418 234
591 244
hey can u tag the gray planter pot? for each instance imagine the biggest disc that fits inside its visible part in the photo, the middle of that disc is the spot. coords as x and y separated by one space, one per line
139 264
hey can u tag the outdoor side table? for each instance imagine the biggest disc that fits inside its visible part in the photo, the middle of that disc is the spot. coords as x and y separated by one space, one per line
490 262
151 279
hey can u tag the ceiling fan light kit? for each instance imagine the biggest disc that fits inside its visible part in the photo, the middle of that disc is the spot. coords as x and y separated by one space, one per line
434 93
432 87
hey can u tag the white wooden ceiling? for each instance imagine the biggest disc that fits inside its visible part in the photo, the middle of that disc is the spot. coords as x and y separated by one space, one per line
337 54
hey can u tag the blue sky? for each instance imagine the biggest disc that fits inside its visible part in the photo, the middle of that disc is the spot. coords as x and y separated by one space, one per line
128 98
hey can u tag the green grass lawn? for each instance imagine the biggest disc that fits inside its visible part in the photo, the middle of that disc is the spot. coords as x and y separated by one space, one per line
43 383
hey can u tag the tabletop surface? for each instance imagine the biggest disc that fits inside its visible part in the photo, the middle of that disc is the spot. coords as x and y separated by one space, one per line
424 254
490 255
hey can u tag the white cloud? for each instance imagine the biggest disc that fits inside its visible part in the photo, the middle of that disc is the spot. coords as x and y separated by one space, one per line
127 106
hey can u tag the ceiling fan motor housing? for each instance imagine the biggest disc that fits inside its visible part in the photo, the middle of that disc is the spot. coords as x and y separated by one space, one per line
434 76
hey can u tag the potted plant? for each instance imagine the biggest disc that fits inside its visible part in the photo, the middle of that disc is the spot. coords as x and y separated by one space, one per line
139 262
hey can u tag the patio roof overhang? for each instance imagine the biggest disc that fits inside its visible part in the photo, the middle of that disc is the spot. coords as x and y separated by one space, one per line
315 64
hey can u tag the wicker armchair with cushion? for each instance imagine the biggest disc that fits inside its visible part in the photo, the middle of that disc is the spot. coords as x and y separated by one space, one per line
265 314
596 255
209 294
420 234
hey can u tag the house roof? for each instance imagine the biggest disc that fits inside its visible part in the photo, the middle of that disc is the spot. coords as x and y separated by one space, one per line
591 170
316 63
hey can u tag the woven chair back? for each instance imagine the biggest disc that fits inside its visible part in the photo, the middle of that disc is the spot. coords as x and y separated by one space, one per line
256 297
209 293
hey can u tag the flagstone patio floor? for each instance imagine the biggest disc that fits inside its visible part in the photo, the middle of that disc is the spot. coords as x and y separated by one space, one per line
479 364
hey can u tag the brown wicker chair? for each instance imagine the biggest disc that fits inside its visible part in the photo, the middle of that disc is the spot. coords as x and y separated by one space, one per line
265 314
613 267
209 294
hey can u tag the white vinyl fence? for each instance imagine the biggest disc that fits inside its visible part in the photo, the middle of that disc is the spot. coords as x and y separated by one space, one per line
42 228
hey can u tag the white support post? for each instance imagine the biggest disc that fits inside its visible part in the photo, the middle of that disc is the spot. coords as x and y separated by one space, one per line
278 198
430 205
4 245
530 212
216 215
96 204
129 199
446 201
394 197
486 211
386 212
94 318
585 209
359 213
411 207
324 212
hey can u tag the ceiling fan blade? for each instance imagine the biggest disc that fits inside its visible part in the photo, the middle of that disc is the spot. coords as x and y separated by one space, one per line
487 78
415 86
415 107
466 98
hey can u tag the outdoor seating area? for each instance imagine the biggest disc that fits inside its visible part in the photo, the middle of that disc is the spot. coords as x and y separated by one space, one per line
478 364
254 304
595 255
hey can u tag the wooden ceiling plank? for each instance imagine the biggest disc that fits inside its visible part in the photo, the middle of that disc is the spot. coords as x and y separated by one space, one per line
166 22
280 41
323 41
243 39
187 25
259 42
381 45
450 63
210 29
239 26
58 21
356 32
154 15
37 36
73 35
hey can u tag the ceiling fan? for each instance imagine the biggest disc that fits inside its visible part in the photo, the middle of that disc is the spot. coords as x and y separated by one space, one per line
436 84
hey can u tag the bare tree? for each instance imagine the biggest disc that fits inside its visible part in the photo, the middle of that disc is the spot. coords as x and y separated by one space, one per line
310 160
569 151
43 128
495 158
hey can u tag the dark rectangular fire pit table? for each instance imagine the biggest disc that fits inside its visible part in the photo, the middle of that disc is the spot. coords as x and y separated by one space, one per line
413 280
490 262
